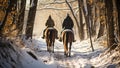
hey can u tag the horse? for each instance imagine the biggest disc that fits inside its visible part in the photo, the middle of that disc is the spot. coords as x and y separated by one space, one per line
50 36
68 38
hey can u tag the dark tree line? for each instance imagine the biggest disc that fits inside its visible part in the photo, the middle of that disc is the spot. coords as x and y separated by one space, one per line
102 12
12 22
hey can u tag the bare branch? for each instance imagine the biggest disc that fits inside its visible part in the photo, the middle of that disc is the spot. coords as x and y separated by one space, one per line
59 2
72 11
54 8
73 15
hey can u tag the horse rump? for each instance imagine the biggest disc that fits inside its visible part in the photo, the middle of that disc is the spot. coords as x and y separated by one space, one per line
50 35
68 38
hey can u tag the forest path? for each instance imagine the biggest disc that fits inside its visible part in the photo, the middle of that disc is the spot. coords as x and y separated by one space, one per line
81 54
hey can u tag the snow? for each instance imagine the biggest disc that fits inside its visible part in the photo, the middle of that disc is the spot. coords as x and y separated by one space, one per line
81 55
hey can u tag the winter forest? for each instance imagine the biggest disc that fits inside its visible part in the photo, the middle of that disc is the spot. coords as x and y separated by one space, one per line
96 33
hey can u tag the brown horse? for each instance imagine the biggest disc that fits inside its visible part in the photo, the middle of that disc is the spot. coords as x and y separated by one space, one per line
50 35
68 38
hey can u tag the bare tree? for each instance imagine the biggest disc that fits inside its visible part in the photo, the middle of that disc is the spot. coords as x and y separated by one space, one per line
101 16
118 23
81 30
31 18
21 14
110 24
88 21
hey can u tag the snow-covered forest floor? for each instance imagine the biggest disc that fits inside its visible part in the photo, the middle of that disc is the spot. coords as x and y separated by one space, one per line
81 56
33 54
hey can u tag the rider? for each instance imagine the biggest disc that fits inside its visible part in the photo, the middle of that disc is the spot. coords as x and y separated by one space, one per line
67 24
49 23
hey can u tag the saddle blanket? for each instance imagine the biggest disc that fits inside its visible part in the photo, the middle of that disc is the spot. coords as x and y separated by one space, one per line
68 30
50 28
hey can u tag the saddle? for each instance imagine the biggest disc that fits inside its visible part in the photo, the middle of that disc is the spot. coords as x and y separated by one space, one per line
52 28
69 30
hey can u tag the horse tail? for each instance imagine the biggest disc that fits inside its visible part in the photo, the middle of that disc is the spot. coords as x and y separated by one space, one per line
65 40
50 36
66 37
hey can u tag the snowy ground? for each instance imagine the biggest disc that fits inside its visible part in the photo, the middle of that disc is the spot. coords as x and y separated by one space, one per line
81 56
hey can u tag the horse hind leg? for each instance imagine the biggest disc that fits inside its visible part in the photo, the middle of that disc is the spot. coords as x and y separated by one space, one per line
52 47
47 47
70 49
66 50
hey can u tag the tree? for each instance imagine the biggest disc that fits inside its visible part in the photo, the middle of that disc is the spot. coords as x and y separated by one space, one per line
3 13
110 24
31 18
118 25
21 13
101 16
81 30
8 25
88 21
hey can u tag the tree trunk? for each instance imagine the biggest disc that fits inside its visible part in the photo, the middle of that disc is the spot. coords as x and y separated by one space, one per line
102 19
85 12
21 16
91 15
3 14
31 18
81 20
118 9
88 21
93 18
110 23
101 30
8 26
